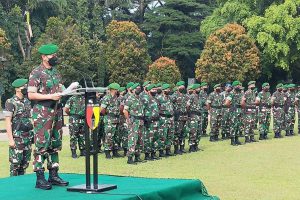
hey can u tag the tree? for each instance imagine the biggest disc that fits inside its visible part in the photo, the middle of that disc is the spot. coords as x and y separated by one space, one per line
126 52
164 70
229 54
173 31
278 34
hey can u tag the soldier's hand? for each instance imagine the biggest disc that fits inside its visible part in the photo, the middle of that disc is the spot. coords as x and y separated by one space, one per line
12 144
55 97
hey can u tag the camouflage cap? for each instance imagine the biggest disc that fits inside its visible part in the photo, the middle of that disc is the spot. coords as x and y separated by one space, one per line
19 82
180 83
265 85
48 49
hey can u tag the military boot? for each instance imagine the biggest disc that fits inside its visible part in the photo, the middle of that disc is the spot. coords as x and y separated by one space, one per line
276 135
168 152
54 179
223 136
130 161
191 149
247 140
41 182
147 156
82 152
176 150
212 139
74 155
252 138
182 149
237 140
161 153
137 158
216 138
21 171
116 154
233 141
107 154
265 136
125 152
261 136
292 132
153 156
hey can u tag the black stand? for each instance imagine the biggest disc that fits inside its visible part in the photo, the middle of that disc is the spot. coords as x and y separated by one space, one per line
90 99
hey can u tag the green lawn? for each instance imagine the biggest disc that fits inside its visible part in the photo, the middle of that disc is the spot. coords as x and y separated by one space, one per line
264 170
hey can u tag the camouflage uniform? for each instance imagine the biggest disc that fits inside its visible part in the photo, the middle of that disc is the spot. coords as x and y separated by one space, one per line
122 130
47 118
264 113
278 112
135 108
290 112
235 113
76 104
19 157
181 116
111 121
204 122
250 112
225 117
166 121
151 126
194 120
215 100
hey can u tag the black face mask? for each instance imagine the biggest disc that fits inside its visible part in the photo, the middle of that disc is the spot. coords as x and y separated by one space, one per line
218 90
182 90
238 89
138 91
53 61
166 92
159 91
190 92
153 94
280 90
205 89
252 88
24 91
197 92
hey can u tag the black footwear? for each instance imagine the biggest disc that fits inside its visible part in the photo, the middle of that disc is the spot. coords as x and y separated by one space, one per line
196 147
237 140
137 158
54 179
83 153
212 139
261 136
130 161
21 171
287 133
107 154
276 135
161 153
176 150
252 138
116 154
168 152
73 151
147 156
292 132
233 142
125 152
216 138
279 135
223 136
247 140
153 156
182 149
41 182
265 137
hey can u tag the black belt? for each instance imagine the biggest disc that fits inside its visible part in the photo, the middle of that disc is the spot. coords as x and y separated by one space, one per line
195 113
138 117
166 115
113 115
278 106
217 107
49 104
78 116
151 119
181 113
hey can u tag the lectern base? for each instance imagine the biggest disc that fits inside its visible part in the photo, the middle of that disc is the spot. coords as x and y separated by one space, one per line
100 188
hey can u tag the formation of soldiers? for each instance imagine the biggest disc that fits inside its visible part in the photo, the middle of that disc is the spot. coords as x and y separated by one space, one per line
151 118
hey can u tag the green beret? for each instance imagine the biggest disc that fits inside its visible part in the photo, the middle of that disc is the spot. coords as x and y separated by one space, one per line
196 86
158 85
190 87
114 86
122 89
292 85
180 83
19 82
129 85
280 85
285 86
265 84
146 83
150 87
48 49
251 83
165 86
217 85
135 86
175 89
236 83
203 84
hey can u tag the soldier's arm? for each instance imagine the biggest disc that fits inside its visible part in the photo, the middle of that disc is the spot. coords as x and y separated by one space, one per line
228 101
9 131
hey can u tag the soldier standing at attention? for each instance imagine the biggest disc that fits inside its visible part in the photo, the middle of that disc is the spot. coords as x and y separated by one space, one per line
44 86
290 110
75 108
203 98
19 128
214 105
226 113
110 108
248 103
278 101
134 114
263 99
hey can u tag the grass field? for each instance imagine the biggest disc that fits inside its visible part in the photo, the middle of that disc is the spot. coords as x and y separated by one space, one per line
267 170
